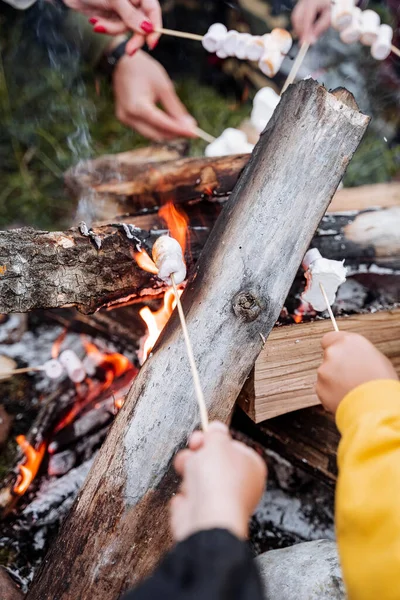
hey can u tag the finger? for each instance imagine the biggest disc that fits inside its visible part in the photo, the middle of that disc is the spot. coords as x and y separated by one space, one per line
332 338
135 43
133 18
174 107
161 121
196 440
180 461
110 26
152 10
145 129
321 25
304 21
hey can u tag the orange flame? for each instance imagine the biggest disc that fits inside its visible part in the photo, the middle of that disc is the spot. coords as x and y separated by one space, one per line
28 471
299 312
156 321
177 223
145 262
55 351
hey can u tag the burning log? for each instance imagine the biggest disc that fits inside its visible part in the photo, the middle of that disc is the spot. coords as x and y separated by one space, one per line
118 527
280 383
48 270
150 186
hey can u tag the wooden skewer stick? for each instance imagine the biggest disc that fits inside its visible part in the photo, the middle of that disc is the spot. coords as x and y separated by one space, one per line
296 66
196 379
204 135
4 374
328 306
395 50
180 34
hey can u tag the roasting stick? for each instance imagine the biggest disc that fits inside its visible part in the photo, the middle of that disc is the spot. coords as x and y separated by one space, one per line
204 135
196 379
22 370
328 306
395 50
296 65
180 34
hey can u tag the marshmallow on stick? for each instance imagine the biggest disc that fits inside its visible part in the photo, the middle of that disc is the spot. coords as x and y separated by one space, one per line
264 104
330 273
73 365
214 37
168 258
342 14
231 141
382 46
370 22
352 33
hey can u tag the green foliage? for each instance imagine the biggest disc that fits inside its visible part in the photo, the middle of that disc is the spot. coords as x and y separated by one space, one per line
374 162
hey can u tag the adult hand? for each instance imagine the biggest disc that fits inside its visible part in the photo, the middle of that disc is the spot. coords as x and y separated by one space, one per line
114 17
140 83
311 18
349 361
222 483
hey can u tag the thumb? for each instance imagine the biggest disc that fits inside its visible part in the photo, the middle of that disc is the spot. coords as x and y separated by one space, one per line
175 108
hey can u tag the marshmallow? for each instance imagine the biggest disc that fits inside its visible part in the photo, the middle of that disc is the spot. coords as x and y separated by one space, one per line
214 37
264 104
73 365
282 39
241 45
331 273
342 14
229 43
352 33
370 21
255 47
168 257
53 368
382 46
231 141
271 62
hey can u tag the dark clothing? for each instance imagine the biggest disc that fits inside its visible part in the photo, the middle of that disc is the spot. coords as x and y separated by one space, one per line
209 565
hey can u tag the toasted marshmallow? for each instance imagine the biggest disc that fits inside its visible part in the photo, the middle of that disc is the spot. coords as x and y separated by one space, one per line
282 39
370 22
168 258
241 46
382 46
352 33
271 61
255 47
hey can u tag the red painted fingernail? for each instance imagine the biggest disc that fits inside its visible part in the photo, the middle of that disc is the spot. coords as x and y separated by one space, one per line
100 29
132 52
154 44
93 21
147 27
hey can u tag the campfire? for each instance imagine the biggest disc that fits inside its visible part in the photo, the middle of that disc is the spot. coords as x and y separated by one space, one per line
246 286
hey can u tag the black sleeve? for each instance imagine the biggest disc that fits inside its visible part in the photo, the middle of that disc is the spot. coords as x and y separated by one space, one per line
209 565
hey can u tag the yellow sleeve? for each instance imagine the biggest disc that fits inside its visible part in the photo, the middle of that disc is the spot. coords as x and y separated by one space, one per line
368 491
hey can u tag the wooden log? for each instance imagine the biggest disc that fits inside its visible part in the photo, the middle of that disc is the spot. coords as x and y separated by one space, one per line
118 528
285 373
383 195
47 270
39 269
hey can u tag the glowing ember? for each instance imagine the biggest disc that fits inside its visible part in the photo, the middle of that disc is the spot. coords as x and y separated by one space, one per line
28 471
300 311
113 365
177 223
156 321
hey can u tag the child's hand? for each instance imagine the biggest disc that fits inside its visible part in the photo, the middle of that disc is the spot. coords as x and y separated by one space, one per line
311 18
223 481
349 361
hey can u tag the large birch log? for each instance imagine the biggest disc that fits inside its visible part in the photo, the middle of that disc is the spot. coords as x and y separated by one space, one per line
48 270
118 528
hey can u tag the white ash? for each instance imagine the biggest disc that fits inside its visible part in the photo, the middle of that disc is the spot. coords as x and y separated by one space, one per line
12 330
55 497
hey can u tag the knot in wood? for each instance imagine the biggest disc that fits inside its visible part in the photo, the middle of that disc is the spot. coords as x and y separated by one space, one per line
246 306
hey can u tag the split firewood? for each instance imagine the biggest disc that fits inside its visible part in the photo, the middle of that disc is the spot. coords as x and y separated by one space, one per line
281 383
231 303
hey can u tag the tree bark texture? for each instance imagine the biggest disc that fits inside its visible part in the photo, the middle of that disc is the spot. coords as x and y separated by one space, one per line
118 527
